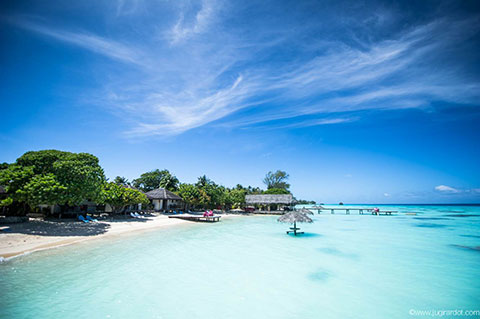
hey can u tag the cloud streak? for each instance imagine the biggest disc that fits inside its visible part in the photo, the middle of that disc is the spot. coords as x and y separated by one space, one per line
97 44
204 70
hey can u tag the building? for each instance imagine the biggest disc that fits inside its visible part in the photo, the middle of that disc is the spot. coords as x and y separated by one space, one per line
270 201
163 199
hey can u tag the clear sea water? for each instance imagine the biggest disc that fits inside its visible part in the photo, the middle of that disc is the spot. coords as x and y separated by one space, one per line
345 266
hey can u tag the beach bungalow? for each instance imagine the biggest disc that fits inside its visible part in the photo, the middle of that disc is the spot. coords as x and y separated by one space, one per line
270 201
163 199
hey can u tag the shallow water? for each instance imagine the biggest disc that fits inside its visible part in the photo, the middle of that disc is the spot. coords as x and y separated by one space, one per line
345 266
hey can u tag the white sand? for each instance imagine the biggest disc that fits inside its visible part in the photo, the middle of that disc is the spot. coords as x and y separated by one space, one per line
33 236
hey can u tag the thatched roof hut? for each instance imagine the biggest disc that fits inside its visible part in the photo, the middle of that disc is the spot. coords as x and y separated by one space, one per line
268 199
162 193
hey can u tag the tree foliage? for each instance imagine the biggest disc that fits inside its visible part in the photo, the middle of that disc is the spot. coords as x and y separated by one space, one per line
157 178
276 191
120 180
53 177
119 196
276 179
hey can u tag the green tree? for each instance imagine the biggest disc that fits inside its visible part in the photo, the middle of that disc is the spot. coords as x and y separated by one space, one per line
237 197
276 179
169 181
154 179
42 189
53 176
118 196
190 194
277 191
120 180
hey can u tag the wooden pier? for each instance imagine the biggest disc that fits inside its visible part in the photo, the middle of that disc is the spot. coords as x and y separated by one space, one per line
361 210
199 218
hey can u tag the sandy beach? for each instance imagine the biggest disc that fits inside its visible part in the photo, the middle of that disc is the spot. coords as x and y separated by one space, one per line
21 238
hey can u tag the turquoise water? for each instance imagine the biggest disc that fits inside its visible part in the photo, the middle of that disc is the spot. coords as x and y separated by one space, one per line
345 266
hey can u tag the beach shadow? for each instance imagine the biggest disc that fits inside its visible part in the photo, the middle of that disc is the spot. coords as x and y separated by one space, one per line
58 228
129 219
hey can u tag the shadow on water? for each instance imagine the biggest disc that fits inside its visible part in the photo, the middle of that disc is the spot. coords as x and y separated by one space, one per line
430 225
471 236
305 235
469 248
320 275
432 218
462 215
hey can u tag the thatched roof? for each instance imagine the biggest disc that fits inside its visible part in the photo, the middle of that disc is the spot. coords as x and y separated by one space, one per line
295 216
269 199
306 211
162 193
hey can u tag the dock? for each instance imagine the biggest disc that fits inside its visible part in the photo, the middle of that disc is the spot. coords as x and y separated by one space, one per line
199 218
361 210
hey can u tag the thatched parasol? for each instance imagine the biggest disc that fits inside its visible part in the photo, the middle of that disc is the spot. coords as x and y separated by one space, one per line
306 211
294 217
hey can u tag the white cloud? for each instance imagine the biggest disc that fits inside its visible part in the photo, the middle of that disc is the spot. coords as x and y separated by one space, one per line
183 29
447 189
386 194
184 84
107 47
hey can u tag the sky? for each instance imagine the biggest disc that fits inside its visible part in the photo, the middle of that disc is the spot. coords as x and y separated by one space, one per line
359 101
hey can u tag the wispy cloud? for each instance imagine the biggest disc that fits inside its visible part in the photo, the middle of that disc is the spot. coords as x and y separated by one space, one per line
444 189
205 70
183 29
107 47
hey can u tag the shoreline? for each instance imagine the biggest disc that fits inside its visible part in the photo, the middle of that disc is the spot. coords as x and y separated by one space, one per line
30 237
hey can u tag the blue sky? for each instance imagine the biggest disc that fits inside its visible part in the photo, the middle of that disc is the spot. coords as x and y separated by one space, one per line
359 101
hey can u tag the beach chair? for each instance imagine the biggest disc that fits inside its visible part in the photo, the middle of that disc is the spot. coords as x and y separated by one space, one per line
82 219
133 215
137 215
89 218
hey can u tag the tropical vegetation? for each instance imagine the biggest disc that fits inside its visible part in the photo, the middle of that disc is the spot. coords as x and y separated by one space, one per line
52 177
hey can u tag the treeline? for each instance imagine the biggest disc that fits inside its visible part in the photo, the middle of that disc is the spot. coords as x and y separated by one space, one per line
205 193
52 177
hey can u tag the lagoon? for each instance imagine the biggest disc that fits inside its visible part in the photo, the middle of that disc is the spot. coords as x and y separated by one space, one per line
345 266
